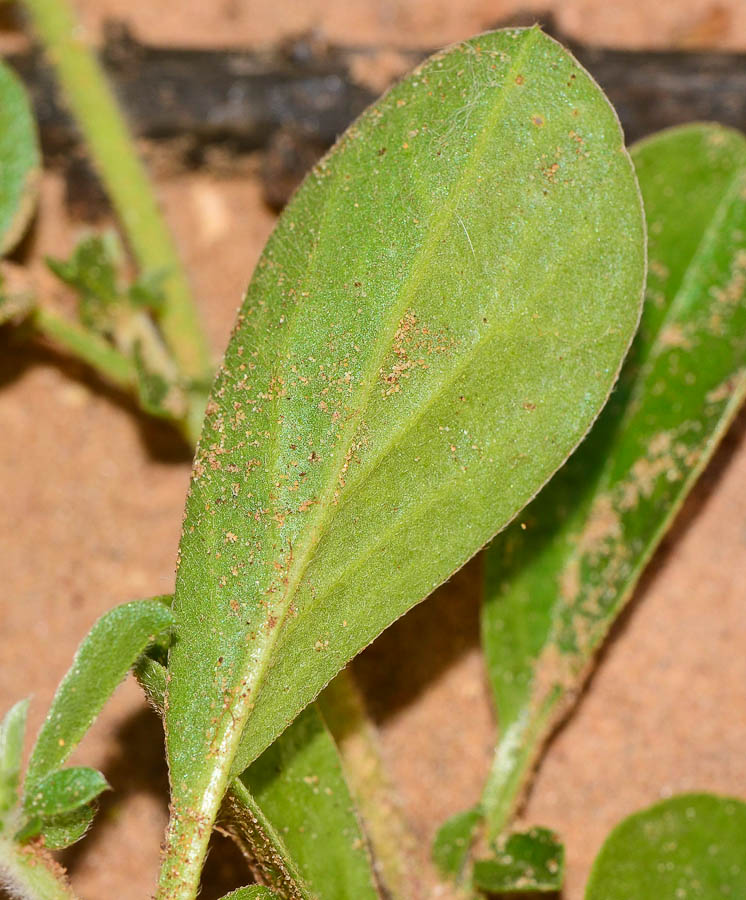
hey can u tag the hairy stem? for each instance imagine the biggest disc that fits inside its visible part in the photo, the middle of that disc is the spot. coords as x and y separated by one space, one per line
112 149
515 758
115 366
85 345
29 873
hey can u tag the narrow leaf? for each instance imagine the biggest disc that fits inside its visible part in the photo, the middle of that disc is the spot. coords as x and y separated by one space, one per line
64 792
689 847
262 843
557 579
19 160
101 662
530 862
434 324
299 785
393 845
12 731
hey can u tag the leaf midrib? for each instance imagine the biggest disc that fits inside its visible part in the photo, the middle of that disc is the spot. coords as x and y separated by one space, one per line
413 420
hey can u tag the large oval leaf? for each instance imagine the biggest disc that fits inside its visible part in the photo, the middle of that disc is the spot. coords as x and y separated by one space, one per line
433 326
689 847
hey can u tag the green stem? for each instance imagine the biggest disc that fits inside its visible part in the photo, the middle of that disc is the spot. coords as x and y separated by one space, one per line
31 873
187 838
85 345
516 756
100 355
114 154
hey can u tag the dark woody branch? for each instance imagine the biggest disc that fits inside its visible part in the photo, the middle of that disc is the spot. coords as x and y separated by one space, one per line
290 101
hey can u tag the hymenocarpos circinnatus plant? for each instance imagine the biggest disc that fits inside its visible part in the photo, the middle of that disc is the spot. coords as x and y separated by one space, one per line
435 324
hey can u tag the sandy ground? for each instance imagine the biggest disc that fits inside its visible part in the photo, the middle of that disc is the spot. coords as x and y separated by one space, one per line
424 22
93 495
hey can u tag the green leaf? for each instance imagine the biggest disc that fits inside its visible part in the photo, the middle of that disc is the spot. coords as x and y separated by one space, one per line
530 862
19 161
152 677
92 271
64 792
557 578
64 830
393 845
261 842
12 731
689 847
453 841
299 785
434 324
101 662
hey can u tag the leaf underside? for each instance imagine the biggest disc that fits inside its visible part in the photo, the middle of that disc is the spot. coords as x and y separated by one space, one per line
690 846
434 324
557 579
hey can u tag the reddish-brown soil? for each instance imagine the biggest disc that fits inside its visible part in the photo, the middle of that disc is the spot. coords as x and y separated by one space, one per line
92 500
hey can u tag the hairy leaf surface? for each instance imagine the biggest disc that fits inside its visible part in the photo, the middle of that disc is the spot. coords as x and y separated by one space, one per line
556 580
254 892
19 160
690 846
434 324
68 828
101 662
64 791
